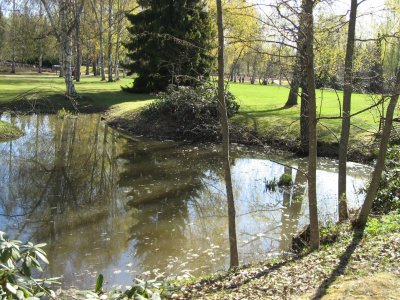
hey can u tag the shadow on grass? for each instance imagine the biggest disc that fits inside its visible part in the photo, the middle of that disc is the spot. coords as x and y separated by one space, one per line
107 99
90 102
343 262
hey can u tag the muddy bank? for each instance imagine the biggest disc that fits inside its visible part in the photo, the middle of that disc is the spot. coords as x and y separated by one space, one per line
164 129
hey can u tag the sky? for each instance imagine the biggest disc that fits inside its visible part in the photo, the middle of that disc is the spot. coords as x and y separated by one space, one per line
370 13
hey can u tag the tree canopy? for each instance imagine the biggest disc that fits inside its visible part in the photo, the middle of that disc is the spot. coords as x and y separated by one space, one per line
170 44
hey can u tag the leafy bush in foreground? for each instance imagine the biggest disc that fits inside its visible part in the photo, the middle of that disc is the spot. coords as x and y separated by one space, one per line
388 197
140 290
17 262
189 108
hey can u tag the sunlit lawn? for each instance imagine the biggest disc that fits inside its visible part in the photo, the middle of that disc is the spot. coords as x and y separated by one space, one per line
102 94
262 107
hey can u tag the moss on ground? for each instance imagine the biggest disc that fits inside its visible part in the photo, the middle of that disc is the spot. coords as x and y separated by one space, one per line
8 131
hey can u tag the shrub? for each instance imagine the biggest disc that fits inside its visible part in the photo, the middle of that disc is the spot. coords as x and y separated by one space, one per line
17 262
388 196
285 180
189 108
151 289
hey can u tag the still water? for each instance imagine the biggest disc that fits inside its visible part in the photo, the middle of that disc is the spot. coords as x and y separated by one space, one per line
125 208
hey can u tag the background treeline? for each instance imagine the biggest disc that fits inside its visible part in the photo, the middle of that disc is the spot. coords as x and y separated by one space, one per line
260 39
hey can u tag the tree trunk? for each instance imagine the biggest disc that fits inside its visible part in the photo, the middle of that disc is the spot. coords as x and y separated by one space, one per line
109 46
302 81
95 71
61 57
234 256
66 42
312 121
347 90
118 44
78 53
304 119
87 72
41 39
13 39
103 74
294 85
380 162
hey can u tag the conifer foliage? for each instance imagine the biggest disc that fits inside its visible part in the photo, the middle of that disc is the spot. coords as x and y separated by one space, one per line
170 43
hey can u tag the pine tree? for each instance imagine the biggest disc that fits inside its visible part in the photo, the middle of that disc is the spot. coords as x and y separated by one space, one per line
170 43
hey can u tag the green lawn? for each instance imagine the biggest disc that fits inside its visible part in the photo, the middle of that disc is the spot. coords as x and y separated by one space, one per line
262 110
262 107
101 93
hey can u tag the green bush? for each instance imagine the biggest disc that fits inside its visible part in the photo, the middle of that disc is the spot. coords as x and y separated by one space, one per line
151 289
190 109
388 196
17 262
285 180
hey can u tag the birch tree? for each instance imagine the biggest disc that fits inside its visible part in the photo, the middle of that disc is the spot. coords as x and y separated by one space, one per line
68 18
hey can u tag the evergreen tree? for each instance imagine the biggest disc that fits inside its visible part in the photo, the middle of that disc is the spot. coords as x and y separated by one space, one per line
170 43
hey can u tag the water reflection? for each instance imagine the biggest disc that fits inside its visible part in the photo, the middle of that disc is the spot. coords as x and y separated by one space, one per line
124 208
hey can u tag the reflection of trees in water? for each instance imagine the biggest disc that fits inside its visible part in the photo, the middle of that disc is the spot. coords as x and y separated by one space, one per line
292 203
62 183
165 182
70 179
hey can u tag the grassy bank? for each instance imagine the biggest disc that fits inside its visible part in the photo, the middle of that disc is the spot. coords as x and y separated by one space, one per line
263 119
95 94
8 131
262 116
371 258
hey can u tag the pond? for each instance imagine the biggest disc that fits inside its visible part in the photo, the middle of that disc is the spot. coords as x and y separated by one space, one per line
124 207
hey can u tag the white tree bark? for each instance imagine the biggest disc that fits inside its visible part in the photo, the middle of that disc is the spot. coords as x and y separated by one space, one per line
110 35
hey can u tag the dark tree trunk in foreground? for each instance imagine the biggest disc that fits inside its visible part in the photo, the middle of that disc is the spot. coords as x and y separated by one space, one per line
234 257
347 91
302 81
312 121
380 162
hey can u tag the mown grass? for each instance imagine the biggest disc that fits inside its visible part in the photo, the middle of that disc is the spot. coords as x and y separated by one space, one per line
100 93
262 110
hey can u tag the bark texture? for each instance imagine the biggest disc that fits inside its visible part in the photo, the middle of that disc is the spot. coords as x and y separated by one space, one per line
101 28
312 122
380 162
347 91
234 256
109 44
